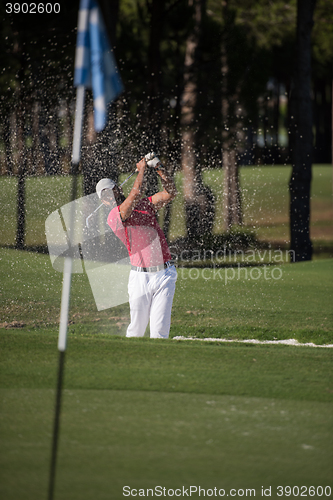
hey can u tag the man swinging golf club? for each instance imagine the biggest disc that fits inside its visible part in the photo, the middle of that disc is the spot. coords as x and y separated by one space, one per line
152 279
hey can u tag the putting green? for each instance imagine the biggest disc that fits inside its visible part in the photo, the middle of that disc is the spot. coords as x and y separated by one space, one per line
111 439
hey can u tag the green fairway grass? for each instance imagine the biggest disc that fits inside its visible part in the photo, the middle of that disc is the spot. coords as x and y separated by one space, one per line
208 303
265 204
298 305
112 439
144 413
106 362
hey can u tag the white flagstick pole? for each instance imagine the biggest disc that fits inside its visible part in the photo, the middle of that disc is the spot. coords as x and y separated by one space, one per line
76 154
66 286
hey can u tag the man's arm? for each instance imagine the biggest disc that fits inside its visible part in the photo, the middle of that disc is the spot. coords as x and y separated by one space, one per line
169 192
126 208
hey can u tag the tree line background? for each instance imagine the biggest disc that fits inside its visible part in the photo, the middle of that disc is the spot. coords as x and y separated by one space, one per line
208 84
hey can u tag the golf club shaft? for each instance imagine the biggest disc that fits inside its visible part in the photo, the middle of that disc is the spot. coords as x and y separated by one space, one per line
92 213
135 171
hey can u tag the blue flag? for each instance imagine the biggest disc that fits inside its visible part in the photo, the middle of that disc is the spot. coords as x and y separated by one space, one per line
95 66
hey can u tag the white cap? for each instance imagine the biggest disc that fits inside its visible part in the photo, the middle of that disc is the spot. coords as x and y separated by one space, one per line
104 184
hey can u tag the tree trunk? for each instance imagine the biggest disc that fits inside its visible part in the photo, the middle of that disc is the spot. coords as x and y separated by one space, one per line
195 208
231 191
7 132
302 138
20 105
35 150
20 230
91 173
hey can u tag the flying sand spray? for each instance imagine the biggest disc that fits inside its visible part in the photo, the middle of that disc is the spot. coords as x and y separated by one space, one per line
151 159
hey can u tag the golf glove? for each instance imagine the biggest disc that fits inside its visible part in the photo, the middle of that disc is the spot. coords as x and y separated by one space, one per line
152 160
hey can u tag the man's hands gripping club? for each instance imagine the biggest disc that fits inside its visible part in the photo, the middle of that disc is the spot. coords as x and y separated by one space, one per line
126 205
159 199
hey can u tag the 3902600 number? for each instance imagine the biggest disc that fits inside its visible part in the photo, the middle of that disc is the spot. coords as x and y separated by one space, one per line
304 491
32 8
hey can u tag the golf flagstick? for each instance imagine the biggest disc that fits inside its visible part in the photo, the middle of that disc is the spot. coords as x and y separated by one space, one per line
66 285
95 67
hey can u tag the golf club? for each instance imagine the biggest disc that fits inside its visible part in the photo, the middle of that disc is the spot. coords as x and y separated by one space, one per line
128 178
92 213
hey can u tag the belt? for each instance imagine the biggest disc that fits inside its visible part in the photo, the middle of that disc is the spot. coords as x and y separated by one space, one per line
153 269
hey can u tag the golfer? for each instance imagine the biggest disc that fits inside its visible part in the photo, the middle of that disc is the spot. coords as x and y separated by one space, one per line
152 279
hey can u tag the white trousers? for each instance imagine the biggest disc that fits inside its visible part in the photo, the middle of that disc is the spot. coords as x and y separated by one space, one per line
150 298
